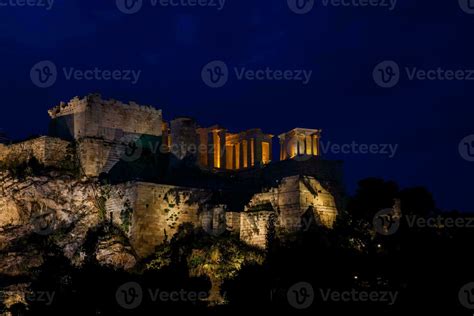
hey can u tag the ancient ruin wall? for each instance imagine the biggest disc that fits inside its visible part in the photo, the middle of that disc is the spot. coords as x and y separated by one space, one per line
256 228
316 198
47 150
97 156
159 210
290 203
108 119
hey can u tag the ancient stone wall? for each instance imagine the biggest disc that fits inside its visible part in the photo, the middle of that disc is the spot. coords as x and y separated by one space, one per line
256 228
108 119
97 155
184 137
297 203
120 201
159 210
48 151
315 198
232 220
213 219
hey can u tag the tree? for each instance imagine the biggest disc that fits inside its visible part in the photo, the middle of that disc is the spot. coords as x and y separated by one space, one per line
217 258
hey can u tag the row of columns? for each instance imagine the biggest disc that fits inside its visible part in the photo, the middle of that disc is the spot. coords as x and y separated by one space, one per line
245 151
296 145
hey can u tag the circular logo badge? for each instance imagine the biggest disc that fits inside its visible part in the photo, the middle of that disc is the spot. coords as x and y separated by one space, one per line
301 295
129 6
466 295
466 148
386 222
214 223
129 295
44 74
130 149
215 74
467 6
43 221
300 6
387 74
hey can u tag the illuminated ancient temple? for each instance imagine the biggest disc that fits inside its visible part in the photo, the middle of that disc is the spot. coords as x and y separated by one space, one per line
216 148
234 151
299 141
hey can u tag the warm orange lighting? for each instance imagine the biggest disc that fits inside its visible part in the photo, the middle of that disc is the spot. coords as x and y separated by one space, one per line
229 153
252 152
265 152
309 145
245 147
217 150
315 146
237 156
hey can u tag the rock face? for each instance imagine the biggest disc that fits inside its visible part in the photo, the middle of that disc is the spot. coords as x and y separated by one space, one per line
65 209
57 207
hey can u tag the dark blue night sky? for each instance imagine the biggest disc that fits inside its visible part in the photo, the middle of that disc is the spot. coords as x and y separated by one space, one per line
341 45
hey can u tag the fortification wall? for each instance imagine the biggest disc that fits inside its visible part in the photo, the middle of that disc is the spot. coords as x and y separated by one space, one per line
108 119
120 203
296 203
256 228
159 210
285 201
51 152
314 197
232 220
97 155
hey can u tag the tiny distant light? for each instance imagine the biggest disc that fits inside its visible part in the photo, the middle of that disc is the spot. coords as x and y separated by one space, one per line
379 246
356 277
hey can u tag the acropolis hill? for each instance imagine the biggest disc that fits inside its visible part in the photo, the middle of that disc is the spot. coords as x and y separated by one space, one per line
152 175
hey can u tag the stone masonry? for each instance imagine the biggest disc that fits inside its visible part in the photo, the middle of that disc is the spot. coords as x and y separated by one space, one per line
298 193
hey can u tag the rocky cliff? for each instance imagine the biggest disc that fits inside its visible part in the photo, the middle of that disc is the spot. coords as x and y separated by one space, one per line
52 215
